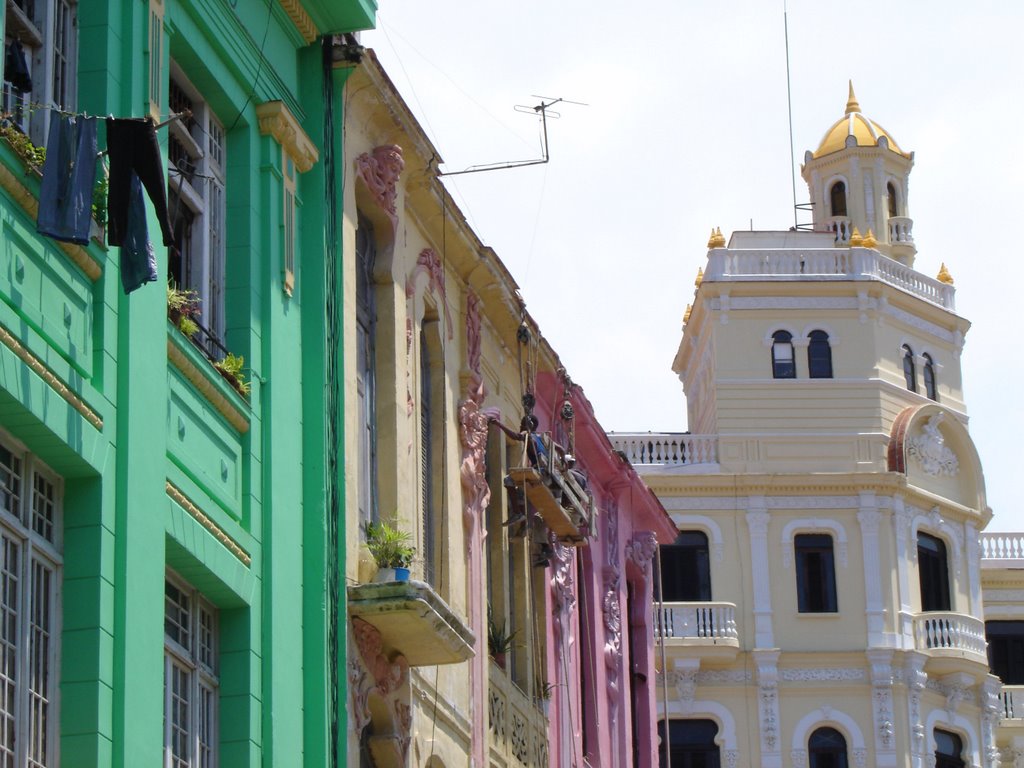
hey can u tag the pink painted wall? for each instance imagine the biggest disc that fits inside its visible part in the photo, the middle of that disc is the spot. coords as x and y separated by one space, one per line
601 601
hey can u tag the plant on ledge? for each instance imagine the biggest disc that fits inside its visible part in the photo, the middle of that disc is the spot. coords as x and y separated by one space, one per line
499 640
231 369
31 155
391 551
182 309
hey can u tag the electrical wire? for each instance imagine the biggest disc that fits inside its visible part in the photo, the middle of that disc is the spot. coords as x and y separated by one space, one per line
259 67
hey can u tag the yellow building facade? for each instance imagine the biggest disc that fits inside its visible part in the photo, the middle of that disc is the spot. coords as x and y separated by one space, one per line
825 602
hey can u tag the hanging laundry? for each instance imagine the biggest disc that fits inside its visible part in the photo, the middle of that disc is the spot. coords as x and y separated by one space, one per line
16 68
69 173
138 261
132 149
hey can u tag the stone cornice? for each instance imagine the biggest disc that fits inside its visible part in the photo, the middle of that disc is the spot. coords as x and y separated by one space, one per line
300 19
54 381
201 382
201 517
277 120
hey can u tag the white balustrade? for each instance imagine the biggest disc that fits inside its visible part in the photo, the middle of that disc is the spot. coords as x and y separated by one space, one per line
942 630
666 448
697 621
842 227
826 263
1013 702
1002 546
901 230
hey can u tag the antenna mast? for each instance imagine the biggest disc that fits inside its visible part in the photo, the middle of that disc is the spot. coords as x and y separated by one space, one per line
789 104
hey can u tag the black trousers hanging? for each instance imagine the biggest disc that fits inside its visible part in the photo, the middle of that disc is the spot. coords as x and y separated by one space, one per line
132 146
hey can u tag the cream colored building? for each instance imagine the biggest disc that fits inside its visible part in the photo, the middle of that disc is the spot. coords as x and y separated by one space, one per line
825 602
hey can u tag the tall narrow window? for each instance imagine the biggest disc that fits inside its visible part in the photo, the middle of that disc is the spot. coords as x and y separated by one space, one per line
30 568
196 149
929 378
430 427
933 573
949 750
690 744
815 573
783 364
827 749
819 356
44 79
1006 650
191 640
909 370
837 198
893 200
366 386
686 569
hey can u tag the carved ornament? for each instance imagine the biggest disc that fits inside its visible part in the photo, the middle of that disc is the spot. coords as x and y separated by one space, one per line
380 170
930 450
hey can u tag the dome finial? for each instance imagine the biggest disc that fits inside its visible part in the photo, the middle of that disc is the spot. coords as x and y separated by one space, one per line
851 103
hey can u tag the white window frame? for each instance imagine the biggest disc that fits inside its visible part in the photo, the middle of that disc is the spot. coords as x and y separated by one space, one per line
204 195
34 550
39 38
197 661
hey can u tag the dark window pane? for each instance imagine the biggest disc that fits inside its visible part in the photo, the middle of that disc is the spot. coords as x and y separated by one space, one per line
909 372
827 749
933 572
1006 650
837 196
686 569
691 744
815 574
948 750
819 356
929 378
783 365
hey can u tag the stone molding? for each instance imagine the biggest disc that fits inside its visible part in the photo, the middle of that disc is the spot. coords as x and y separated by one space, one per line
277 120
302 21
206 522
201 382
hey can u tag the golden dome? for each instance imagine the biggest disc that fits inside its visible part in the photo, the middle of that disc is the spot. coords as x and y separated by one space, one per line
854 123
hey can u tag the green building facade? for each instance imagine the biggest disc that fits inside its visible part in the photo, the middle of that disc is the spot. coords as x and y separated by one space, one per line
169 551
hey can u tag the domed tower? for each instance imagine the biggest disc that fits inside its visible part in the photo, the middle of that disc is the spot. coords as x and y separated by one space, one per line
858 181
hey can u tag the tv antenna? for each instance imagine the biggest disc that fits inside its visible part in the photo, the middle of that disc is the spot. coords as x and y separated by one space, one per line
544 110
797 207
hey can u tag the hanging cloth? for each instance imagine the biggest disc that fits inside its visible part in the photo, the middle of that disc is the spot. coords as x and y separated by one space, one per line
69 173
132 147
16 68
138 261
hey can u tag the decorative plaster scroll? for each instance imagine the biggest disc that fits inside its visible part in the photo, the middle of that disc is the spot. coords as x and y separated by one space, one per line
277 120
380 170
768 700
10 183
930 450
357 683
388 676
473 424
821 674
640 551
200 517
54 382
562 588
611 609
385 678
428 262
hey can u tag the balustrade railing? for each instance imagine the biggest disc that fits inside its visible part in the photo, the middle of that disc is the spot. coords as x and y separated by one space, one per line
1002 546
842 227
823 263
696 621
666 448
942 630
1013 702
901 230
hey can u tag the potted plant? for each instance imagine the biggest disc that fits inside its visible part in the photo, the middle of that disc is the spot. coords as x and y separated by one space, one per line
231 369
544 690
391 550
182 309
499 640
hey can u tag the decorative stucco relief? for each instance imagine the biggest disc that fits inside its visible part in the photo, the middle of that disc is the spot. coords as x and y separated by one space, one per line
930 450
372 673
611 609
380 170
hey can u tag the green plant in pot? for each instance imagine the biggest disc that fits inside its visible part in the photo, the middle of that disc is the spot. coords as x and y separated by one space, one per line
391 550
499 639
183 307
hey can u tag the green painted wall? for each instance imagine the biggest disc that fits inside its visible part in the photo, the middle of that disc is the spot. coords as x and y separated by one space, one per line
164 464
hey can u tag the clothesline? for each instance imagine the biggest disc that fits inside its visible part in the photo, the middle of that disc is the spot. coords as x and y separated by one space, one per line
34 106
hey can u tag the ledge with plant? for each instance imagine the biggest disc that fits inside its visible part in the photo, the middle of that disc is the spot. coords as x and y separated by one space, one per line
391 549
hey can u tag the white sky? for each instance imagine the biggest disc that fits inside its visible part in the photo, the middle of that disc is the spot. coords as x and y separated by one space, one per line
686 129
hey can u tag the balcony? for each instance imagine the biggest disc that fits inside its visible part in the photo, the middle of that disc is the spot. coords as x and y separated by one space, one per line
1001 550
414 621
698 630
669 449
519 729
901 230
948 638
786 264
841 227
566 507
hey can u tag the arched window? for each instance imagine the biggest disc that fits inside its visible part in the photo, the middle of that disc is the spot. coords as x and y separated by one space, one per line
949 749
690 742
819 356
933 573
366 331
827 749
686 569
909 371
837 197
893 201
929 378
783 364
